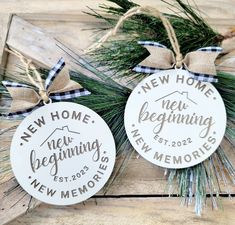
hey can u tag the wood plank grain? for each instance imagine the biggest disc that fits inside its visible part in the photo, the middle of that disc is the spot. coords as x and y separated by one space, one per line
209 8
5 19
33 42
216 12
14 203
126 211
139 178
38 45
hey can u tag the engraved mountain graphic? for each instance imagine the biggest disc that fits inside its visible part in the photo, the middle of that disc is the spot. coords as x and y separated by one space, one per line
64 130
176 95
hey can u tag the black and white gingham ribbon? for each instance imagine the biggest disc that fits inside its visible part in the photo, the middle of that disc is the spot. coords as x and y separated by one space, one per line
54 72
151 43
147 69
7 83
62 95
54 96
196 76
69 94
22 113
207 77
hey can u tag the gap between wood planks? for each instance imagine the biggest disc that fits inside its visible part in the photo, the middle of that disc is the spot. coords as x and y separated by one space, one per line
158 196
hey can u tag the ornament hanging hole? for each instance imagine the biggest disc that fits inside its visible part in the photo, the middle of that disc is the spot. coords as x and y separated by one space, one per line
178 68
48 102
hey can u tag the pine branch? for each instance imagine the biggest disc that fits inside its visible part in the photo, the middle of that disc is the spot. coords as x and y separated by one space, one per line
109 102
123 53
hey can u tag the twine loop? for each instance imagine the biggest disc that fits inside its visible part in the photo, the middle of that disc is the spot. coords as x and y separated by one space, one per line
147 10
199 63
38 82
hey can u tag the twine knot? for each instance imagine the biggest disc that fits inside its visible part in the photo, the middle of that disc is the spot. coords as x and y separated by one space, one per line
179 60
44 95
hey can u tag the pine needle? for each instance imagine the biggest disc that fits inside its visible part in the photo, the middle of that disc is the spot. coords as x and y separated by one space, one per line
123 52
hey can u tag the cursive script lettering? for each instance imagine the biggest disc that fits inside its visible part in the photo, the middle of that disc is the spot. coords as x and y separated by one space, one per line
60 155
59 143
174 105
177 118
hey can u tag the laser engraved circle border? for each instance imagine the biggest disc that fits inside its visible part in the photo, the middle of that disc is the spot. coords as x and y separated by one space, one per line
173 120
63 153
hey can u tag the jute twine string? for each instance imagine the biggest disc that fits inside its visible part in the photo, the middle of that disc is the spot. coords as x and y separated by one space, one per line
148 11
30 66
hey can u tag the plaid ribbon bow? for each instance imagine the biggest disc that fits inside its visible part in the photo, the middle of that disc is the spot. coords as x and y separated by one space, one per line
58 86
200 63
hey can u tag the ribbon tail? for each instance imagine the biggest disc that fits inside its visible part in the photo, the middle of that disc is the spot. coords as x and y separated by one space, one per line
23 96
54 72
160 58
18 114
151 43
7 84
204 77
63 88
145 69
70 94
201 64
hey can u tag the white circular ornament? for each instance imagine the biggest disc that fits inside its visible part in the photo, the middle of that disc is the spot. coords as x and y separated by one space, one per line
173 120
62 153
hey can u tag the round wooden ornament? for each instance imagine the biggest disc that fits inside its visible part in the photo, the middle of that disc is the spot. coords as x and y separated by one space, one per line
173 120
62 153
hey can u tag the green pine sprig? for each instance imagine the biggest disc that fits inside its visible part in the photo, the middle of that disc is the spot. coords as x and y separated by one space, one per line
122 53
109 102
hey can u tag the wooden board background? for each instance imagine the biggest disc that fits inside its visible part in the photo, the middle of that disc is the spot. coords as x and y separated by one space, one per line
135 197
